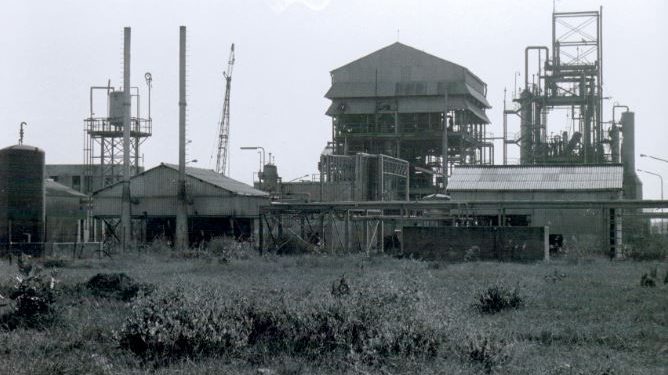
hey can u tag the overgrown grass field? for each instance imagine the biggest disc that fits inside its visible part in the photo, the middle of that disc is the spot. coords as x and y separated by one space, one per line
249 314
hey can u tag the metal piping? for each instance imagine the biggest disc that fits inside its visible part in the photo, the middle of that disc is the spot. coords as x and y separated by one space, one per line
526 62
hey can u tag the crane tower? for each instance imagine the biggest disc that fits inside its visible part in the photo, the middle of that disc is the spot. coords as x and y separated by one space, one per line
224 126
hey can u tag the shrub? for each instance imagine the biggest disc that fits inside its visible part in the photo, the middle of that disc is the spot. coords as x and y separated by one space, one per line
370 325
230 249
486 351
650 247
647 281
289 244
55 263
33 297
340 287
116 285
497 298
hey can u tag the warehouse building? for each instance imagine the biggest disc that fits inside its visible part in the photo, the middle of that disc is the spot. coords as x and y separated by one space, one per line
217 205
586 228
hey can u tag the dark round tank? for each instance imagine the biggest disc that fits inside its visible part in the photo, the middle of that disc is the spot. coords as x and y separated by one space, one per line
270 178
21 195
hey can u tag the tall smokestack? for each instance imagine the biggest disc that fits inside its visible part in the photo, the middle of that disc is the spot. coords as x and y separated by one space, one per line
125 199
181 207
444 141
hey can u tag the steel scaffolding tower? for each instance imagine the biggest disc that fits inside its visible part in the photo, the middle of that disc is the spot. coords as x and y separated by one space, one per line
571 80
103 137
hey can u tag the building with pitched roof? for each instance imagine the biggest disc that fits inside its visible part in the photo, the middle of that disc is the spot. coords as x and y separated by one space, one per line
217 205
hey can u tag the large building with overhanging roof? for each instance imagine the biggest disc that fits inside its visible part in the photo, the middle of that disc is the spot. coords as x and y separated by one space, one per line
396 101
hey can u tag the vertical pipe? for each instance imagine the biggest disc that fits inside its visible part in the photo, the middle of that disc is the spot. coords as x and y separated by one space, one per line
125 199
546 244
181 207
505 130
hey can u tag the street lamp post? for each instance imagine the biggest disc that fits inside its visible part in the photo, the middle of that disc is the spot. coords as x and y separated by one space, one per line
653 157
661 179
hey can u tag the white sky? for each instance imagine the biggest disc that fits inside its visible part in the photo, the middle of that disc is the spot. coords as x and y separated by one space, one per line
53 51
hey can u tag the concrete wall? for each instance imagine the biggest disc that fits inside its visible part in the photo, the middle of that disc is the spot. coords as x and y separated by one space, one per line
475 243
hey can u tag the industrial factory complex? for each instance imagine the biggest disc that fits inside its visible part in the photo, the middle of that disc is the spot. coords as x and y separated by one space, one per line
410 167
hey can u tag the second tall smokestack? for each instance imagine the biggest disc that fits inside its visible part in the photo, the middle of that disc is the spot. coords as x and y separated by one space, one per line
182 207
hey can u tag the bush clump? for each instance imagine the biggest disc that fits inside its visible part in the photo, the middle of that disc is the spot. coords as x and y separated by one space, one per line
116 285
367 325
227 248
33 298
488 352
497 298
55 263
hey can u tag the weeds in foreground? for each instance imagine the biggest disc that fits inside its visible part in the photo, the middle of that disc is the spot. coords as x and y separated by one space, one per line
368 324
117 286
486 351
498 298
33 298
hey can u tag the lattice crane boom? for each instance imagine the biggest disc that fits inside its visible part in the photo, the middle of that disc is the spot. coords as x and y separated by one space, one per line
224 125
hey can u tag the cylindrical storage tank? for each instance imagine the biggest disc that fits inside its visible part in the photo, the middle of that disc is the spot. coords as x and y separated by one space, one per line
270 178
22 197
629 143
632 184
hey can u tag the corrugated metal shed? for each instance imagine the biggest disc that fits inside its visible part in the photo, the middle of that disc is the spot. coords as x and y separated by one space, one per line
216 179
154 193
536 178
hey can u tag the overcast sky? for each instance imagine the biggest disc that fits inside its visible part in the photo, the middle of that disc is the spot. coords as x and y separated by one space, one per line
53 51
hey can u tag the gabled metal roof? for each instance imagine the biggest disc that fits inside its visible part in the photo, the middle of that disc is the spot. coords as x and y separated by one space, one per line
210 176
533 178
55 189
399 70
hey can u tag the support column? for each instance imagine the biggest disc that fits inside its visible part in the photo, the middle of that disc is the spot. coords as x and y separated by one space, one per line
546 244
181 206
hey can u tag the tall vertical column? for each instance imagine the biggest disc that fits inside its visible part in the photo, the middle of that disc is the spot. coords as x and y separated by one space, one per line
444 145
125 199
181 206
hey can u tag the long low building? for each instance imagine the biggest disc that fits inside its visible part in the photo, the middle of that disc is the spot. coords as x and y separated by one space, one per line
217 205
585 229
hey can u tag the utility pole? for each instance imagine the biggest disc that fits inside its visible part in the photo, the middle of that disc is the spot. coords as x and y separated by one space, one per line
182 206
126 221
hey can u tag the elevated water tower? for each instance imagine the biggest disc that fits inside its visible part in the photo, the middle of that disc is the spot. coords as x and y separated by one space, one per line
103 135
